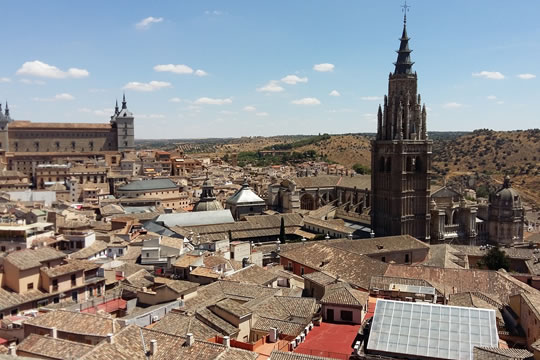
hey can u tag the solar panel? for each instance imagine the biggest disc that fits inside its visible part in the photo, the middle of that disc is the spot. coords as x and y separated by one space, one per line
414 289
431 330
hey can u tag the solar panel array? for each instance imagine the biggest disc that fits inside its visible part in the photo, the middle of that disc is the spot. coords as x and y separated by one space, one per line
431 330
415 289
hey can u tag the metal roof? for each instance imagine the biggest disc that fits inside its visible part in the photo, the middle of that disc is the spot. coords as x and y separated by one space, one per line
147 185
431 330
195 218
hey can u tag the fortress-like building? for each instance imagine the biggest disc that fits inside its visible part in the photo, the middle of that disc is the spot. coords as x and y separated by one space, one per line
25 144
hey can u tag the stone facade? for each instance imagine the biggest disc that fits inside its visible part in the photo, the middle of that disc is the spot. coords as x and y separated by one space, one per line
26 144
401 156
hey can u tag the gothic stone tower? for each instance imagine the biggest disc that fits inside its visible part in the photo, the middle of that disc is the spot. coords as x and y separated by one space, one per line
123 122
401 155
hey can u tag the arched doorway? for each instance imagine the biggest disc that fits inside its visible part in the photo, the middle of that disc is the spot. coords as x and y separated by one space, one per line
307 202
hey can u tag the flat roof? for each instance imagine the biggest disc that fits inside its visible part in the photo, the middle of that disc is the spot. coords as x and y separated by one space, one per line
430 330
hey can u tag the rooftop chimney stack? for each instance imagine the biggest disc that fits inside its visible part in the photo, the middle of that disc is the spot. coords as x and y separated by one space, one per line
110 338
227 341
153 347
12 349
54 333
190 339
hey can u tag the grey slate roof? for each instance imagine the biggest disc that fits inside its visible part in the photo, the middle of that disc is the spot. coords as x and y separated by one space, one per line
148 185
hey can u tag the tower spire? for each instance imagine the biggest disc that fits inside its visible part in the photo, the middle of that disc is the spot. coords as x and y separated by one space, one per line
7 109
116 108
404 63
124 103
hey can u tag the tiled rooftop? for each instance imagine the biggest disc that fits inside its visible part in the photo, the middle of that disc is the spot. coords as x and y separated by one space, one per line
30 258
75 322
51 348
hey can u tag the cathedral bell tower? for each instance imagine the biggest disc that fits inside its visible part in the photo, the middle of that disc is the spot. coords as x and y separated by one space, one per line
401 155
123 122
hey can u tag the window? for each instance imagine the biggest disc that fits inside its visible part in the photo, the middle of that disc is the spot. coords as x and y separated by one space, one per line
55 284
56 300
73 279
30 286
120 251
346 315
383 259
302 270
14 311
147 254
406 258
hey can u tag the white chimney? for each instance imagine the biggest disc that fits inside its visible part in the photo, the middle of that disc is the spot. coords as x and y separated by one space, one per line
153 347
190 339
110 338
12 349
227 341
54 333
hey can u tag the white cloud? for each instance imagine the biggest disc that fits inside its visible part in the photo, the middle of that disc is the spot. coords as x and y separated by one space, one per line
4 80
262 114
212 101
491 97
452 105
272 86
249 108
494 75
500 102
213 12
293 79
175 100
306 101
324 67
200 72
151 116
526 76
40 69
150 86
58 97
371 98
147 22
334 93
103 112
32 82
177 69
228 112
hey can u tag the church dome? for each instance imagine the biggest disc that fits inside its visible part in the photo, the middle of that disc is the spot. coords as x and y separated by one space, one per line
244 196
207 201
506 197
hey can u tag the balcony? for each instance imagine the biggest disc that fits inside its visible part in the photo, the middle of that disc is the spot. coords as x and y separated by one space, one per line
451 231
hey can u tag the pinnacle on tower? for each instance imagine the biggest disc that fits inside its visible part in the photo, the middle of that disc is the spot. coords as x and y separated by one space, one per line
7 110
116 111
404 63
124 103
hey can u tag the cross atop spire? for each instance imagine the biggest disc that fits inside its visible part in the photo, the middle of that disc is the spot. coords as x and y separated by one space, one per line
405 9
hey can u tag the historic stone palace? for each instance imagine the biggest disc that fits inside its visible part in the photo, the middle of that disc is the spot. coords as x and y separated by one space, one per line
401 155
25 144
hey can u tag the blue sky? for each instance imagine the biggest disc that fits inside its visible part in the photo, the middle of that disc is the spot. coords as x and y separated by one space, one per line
239 68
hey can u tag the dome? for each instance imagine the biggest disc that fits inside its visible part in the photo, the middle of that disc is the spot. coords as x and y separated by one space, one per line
207 201
244 196
506 197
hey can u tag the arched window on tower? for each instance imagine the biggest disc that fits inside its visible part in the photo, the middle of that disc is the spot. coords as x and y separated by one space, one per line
388 164
381 164
409 164
418 166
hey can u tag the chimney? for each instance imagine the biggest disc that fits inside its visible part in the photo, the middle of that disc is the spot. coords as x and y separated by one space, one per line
54 333
153 347
12 349
110 338
227 341
190 340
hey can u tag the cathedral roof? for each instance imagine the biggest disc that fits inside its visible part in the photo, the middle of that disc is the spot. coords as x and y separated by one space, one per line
207 201
244 195
20 124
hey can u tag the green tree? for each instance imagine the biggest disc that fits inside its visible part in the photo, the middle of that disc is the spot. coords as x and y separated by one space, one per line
495 259
361 169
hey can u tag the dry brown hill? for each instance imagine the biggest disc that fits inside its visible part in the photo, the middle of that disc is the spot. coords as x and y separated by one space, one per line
346 150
